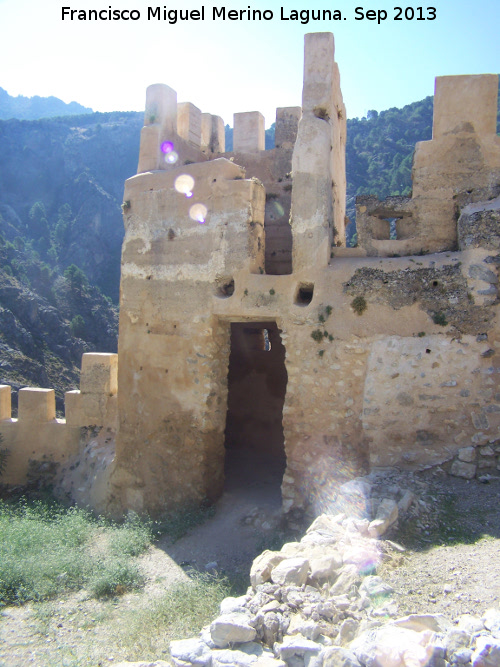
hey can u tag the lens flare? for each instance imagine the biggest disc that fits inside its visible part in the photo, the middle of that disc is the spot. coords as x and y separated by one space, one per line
184 184
167 147
171 158
198 212
279 209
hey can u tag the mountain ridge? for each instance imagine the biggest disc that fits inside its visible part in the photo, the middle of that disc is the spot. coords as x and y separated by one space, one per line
36 107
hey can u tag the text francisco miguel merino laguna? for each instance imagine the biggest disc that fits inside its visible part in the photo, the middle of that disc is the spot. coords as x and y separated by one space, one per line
218 13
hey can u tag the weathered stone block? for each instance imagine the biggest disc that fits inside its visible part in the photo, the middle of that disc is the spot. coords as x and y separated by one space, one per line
99 374
387 514
456 103
461 469
263 565
375 586
191 651
37 405
189 123
213 138
325 568
5 402
348 576
249 135
487 653
287 123
297 645
231 628
73 408
335 656
291 572
467 454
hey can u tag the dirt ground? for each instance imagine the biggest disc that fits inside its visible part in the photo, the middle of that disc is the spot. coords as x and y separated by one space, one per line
451 561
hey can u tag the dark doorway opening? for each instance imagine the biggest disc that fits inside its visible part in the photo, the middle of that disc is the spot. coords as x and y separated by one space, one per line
254 441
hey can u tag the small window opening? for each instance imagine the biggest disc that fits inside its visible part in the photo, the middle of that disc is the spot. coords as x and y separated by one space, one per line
267 342
388 230
304 294
225 288
257 338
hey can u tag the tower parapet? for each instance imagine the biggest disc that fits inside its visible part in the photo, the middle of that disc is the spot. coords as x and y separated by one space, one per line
318 163
249 135
287 125
213 138
189 123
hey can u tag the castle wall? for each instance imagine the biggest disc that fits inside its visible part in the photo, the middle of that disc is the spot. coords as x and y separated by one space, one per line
38 443
458 167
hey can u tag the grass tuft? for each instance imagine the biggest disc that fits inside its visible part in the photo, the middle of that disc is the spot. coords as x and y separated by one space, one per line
46 549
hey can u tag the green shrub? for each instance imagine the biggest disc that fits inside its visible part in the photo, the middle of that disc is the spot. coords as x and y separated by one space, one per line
78 327
440 319
130 538
359 305
317 335
113 577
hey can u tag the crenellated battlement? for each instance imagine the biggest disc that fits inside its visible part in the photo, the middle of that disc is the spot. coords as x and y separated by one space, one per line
38 435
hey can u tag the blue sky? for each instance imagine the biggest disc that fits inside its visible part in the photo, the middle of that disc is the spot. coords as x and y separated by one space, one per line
230 66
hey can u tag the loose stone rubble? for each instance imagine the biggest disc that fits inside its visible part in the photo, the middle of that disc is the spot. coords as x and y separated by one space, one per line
320 603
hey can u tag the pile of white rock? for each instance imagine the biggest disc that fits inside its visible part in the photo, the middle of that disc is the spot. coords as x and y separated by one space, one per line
319 603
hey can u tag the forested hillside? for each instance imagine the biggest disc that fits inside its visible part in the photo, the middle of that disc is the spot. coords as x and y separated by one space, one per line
61 229
61 188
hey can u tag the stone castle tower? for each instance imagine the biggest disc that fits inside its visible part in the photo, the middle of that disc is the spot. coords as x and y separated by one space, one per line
250 333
